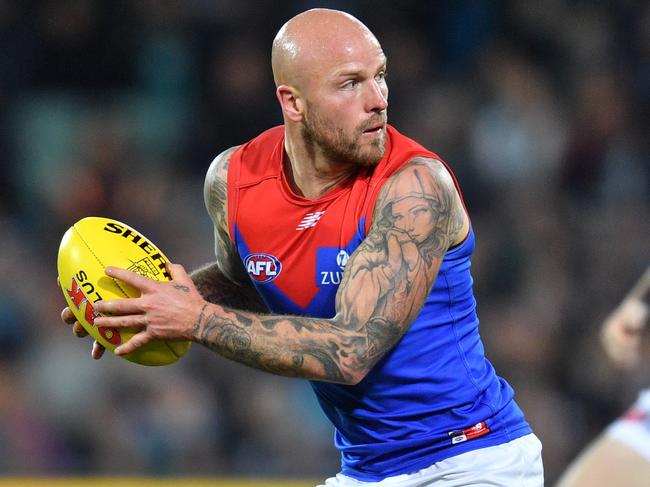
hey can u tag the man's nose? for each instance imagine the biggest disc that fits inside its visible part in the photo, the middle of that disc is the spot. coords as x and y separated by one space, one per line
377 98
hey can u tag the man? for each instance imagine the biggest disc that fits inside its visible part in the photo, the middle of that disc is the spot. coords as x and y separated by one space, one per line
357 241
621 455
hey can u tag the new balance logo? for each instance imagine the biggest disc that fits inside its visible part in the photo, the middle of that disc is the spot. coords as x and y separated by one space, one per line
310 220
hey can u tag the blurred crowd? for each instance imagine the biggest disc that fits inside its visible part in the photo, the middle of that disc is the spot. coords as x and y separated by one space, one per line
116 108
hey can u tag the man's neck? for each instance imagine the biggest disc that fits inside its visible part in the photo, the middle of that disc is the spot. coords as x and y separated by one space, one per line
311 175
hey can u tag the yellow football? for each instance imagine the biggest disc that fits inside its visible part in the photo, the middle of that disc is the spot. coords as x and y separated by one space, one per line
86 249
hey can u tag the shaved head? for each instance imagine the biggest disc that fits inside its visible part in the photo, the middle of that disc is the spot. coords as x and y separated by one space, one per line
314 38
329 71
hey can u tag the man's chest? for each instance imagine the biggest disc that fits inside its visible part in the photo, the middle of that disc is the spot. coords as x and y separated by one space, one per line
296 254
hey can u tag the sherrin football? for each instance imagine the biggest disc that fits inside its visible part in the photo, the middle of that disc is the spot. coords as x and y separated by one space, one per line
86 249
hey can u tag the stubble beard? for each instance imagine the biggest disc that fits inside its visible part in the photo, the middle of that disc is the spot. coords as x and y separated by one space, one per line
322 136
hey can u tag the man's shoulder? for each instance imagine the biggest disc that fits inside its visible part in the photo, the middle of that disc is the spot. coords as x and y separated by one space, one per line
400 151
401 142
259 158
266 140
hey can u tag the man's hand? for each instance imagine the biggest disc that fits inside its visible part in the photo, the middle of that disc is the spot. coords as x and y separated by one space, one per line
164 310
68 317
621 333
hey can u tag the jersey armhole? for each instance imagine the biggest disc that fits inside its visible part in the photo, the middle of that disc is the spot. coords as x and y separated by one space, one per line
232 182
462 202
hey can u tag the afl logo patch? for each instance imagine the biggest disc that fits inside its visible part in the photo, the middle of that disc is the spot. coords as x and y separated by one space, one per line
262 267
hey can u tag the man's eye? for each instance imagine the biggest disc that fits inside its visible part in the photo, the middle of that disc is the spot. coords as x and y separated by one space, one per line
350 83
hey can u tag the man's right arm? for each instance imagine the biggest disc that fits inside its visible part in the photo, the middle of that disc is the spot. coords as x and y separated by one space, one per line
225 281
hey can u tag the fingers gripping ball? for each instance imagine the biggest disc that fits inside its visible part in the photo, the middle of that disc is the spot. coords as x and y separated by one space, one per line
86 249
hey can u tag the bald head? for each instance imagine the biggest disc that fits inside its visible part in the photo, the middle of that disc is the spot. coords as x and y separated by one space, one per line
329 71
313 39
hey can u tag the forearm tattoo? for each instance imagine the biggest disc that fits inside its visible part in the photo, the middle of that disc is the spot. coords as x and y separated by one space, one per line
290 346
418 216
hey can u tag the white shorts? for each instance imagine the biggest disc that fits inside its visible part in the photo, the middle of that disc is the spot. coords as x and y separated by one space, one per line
633 428
514 464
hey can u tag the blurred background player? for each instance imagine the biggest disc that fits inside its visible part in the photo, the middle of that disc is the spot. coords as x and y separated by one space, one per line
621 455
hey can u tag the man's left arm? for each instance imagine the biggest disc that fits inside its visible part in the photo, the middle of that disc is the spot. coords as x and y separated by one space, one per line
418 216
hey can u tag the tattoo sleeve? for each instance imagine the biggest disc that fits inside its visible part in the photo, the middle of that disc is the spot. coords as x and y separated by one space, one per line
418 216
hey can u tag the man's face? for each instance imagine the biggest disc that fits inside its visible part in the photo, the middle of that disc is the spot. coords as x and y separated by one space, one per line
345 116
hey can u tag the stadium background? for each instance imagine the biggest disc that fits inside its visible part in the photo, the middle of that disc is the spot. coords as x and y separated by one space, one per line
116 108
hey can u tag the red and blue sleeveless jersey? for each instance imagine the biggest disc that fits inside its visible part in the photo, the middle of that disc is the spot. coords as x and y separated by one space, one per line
435 394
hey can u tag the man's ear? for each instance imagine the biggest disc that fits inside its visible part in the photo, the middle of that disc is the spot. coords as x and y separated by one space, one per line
291 102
